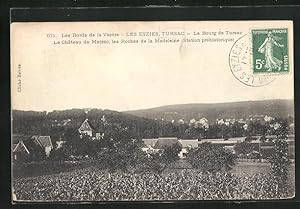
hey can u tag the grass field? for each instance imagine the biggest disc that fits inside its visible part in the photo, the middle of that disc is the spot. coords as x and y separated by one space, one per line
245 181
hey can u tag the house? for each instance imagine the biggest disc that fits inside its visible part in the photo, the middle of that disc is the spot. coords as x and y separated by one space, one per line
150 142
20 152
45 143
103 119
157 144
181 121
86 128
187 144
229 121
59 144
26 150
257 117
16 138
29 148
192 121
242 121
148 145
268 118
163 142
220 121
204 122
99 136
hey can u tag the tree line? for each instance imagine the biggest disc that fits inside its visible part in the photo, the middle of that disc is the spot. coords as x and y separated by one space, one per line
60 124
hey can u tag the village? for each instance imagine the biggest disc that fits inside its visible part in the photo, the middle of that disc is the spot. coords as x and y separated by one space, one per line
26 147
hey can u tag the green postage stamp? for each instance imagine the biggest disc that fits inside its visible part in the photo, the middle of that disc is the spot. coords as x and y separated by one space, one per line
270 50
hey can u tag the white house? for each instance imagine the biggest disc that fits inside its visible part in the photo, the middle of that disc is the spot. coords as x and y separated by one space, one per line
86 128
46 143
204 122
187 144
99 136
149 144
268 118
220 121
59 144
181 121
156 144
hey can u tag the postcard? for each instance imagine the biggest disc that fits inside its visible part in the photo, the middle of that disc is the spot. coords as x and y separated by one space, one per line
152 111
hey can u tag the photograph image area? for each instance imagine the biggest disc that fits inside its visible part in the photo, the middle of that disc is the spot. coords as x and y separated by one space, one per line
152 111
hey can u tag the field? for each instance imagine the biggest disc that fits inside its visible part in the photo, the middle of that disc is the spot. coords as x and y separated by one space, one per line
245 181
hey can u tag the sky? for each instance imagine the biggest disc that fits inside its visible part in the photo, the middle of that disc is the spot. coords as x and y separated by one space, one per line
129 76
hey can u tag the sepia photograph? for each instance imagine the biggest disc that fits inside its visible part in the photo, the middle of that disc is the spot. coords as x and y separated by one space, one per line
152 111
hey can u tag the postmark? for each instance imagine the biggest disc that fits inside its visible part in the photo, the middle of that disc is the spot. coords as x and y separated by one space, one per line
240 62
270 50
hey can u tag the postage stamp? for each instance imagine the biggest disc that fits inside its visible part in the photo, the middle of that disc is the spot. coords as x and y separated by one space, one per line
270 50
241 64
257 57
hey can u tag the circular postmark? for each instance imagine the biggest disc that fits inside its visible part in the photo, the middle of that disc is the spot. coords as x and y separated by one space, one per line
241 64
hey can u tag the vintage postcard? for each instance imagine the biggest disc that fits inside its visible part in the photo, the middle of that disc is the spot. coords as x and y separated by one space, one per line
156 110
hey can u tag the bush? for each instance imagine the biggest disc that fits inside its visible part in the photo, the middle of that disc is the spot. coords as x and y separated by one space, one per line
249 138
211 158
266 153
151 162
245 148
263 138
170 153
280 160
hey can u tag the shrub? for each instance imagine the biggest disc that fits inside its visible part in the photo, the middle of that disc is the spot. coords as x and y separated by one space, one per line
244 148
151 162
249 138
211 158
279 162
280 159
263 138
266 153
170 153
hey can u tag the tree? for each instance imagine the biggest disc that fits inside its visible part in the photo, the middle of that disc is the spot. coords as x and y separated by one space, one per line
279 159
263 138
149 162
237 129
170 153
211 158
244 148
120 150
60 154
249 138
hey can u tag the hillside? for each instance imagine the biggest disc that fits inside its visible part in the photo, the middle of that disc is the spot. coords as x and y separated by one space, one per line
58 123
274 108
142 123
